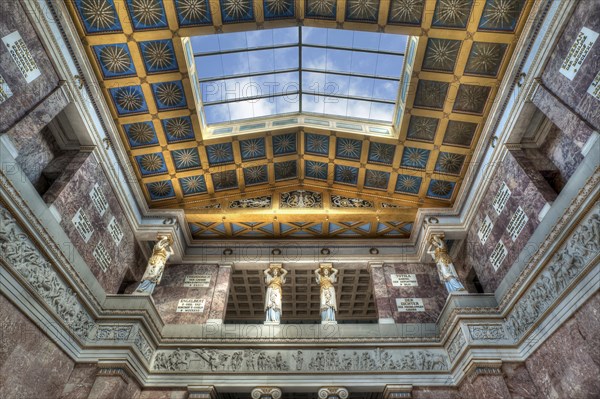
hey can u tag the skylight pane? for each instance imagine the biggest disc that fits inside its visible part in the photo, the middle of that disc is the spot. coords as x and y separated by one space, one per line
359 109
286 58
335 106
339 60
233 41
361 87
339 38
366 40
287 83
363 63
287 104
314 36
235 64
285 36
314 58
261 61
389 65
260 38
393 43
382 112
209 67
241 110
264 107
217 113
312 103
385 90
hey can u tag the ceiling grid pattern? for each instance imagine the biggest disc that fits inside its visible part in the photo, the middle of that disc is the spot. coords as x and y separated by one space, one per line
136 49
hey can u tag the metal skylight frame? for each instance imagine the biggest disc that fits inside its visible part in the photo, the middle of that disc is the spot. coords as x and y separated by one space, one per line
300 117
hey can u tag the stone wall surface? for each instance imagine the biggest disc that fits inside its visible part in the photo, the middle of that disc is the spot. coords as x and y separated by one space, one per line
429 289
31 365
25 95
485 387
171 289
72 195
524 193
574 92
80 381
567 365
563 153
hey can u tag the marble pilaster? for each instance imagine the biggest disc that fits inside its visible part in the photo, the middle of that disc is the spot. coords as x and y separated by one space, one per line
484 381
221 294
202 392
397 392
113 381
381 295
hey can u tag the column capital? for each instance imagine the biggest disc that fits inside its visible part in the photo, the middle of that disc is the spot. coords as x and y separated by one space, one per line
202 392
397 391
333 393
371 265
114 369
266 393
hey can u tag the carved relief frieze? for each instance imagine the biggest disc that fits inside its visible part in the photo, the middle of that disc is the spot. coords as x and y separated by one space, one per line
568 262
256 202
456 345
142 344
113 332
307 361
17 251
487 332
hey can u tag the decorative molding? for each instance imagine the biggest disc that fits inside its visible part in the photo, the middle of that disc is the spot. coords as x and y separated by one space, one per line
397 391
202 392
487 331
113 333
482 367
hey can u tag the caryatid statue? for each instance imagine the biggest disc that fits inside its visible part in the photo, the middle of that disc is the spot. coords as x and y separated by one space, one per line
446 271
326 275
274 278
161 252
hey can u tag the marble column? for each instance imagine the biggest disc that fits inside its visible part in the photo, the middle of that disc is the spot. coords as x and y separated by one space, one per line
381 293
220 294
397 391
202 392
111 382
484 380
333 393
266 393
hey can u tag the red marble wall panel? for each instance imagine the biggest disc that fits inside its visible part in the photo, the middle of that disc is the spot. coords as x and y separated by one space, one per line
484 387
72 194
163 394
563 153
525 193
80 382
573 93
429 289
171 289
25 96
567 365
31 365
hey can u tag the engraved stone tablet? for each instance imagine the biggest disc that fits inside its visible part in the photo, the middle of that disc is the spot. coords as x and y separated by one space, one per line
197 280
83 225
404 280
191 305
98 199
498 255
578 52
5 92
501 198
410 305
102 257
594 89
485 229
115 231
21 56
516 224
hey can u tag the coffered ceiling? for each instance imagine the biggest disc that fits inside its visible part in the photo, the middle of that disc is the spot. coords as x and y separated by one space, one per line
308 181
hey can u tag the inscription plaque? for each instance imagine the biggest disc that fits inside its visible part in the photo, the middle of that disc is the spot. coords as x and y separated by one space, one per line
578 52
102 257
5 92
501 198
516 224
98 199
83 225
410 305
498 255
197 280
115 231
21 56
190 305
594 89
404 280
485 229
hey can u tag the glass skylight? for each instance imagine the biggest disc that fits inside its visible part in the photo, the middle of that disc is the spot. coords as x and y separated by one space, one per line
318 71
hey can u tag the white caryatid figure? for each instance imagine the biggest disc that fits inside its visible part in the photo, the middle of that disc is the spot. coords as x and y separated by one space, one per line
161 252
446 271
326 275
274 278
